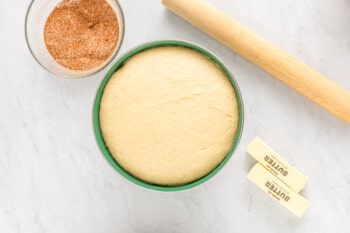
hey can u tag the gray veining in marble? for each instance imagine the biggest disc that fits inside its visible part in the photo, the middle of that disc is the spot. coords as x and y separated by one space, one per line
54 180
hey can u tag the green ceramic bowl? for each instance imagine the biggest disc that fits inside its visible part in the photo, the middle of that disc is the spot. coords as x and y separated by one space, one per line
96 119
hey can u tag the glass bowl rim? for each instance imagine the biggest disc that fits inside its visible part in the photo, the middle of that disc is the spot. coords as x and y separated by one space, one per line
120 38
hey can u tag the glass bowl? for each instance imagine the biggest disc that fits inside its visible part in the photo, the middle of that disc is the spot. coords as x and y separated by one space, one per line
37 14
96 119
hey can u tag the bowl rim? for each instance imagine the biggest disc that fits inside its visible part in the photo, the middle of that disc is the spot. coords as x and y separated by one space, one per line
96 109
120 38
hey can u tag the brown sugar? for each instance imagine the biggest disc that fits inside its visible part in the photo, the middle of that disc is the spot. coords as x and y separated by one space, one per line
81 34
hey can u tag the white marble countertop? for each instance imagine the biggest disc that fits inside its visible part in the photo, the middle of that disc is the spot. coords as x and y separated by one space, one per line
54 179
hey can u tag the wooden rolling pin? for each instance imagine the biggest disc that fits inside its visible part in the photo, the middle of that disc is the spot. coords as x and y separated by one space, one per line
265 55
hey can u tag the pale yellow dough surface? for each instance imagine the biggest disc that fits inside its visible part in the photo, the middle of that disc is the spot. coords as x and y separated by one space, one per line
169 115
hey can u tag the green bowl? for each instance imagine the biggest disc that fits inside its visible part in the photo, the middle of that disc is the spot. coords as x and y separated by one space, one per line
96 118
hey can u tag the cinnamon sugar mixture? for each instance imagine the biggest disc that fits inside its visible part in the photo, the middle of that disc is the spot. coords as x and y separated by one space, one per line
81 34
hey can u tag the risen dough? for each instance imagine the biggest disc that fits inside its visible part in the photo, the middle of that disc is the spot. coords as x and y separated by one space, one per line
169 115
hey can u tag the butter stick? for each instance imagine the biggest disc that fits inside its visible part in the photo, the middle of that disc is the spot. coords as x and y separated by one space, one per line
277 165
278 190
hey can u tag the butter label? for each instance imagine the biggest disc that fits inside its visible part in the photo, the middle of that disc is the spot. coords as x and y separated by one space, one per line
278 190
276 165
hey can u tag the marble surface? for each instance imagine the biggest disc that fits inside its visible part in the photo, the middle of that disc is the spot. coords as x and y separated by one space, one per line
53 178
